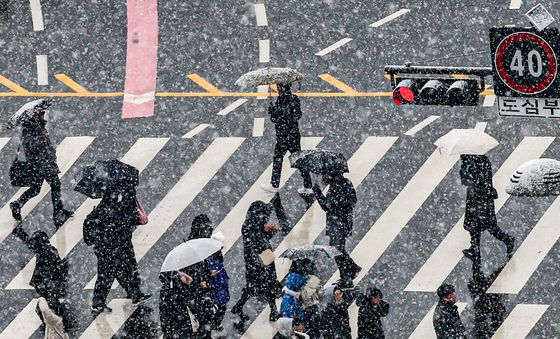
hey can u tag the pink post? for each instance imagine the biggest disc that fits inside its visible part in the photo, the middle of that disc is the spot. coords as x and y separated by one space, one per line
141 59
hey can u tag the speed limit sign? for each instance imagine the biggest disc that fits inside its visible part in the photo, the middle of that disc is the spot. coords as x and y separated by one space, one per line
525 62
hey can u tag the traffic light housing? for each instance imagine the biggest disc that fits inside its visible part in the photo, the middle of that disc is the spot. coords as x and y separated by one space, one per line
436 91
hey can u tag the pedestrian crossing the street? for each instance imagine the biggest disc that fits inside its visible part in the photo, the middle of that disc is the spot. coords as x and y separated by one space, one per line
425 181
425 329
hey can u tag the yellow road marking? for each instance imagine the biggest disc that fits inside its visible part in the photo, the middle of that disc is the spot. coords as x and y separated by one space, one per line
200 81
12 85
338 84
459 76
65 79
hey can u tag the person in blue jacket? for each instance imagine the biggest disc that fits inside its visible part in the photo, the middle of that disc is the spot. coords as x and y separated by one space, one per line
219 283
291 306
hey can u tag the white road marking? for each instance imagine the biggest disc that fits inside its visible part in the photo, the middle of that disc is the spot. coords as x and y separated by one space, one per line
107 324
489 100
334 46
263 89
231 107
313 221
390 17
68 151
425 329
24 324
3 142
481 125
258 127
515 4
449 252
181 195
231 224
36 15
264 51
520 321
530 254
195 131
70 234
421 125
139 99
260 14
42 70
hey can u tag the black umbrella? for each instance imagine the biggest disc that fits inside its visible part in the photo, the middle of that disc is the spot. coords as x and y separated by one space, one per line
312 252
319 161
106 176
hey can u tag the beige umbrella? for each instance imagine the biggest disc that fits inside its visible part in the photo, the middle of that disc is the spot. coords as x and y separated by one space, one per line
466 141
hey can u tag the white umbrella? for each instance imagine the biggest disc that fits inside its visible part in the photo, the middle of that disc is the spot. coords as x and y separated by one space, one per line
539 177
466 141
28 111
269 75
190 253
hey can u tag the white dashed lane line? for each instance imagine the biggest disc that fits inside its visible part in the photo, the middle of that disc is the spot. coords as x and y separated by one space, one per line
42 70
421 125
195 131
334 46
515 4
231 107
390 17
258 127
36 15
264 51
260 14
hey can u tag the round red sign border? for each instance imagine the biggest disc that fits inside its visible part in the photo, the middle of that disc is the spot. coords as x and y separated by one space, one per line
508 80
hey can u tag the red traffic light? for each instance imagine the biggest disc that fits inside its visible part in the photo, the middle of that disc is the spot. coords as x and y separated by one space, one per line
404 92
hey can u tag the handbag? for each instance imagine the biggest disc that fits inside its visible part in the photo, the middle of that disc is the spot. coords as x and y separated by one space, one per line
142 215
267 257
24 173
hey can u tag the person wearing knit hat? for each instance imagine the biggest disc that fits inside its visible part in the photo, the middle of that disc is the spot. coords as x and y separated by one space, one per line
447 322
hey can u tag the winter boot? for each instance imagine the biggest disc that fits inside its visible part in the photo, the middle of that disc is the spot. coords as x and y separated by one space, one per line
274 315
98 309
16 210
61 216
510 245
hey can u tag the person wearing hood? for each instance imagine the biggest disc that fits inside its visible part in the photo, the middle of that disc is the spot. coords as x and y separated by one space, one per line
201 227
178 291
50 276
447 322
41 155
335 319
291 306
108 228
372 308
480 214
260 271
285 115
339 205
290 328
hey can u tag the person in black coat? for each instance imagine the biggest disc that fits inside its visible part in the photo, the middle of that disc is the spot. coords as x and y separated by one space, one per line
480 214
41 154
447 322
285 115
372 308
50 276
108 228
339 205
335 320
260 279
201 227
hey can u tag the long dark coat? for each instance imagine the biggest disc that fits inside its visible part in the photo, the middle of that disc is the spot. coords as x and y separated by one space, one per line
285 114
201 227
480 214
335 320
339 205
369 318
38 148
447 322
260 280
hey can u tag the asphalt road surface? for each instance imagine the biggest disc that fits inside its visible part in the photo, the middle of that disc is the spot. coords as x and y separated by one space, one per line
205 150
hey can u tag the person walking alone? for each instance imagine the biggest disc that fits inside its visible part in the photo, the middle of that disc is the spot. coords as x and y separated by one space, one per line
447 322
285 115
372 308
41 155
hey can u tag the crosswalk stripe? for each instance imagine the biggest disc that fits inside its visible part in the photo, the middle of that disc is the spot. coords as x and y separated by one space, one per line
520 321
425 329
70 234
230 226
68 151
3 142
181 195
24 324
448 254
313 221
107 324
530 254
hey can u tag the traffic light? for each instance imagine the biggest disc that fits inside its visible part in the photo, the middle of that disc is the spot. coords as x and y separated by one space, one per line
450 92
